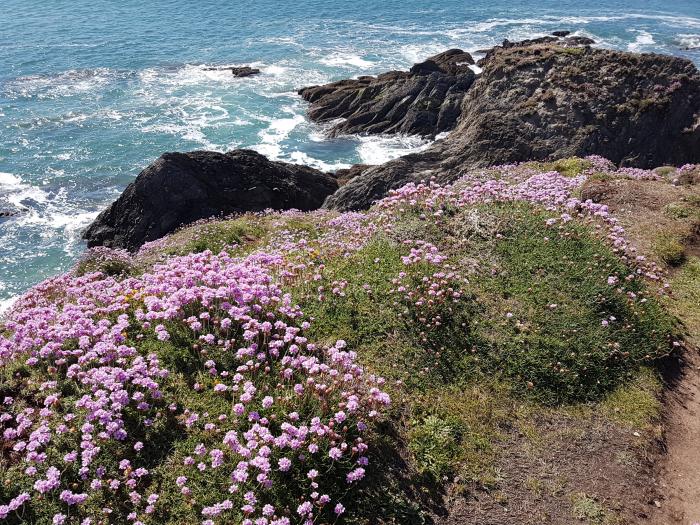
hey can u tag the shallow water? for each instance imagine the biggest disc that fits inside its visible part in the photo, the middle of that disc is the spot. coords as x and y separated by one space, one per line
92 91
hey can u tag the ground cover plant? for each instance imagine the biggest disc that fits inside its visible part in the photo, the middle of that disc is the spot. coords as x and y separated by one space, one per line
283 368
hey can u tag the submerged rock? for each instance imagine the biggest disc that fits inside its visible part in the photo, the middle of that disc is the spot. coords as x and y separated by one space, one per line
180 188
423 101
244 71
238 71
543 100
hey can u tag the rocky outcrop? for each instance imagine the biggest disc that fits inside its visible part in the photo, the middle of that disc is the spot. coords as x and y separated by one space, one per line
238 71
423 101
244 71
180 188
345 175
6 214
545 100
558 38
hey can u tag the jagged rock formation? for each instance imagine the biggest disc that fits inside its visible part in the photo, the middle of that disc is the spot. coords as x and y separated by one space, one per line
180 188
547 100
423 101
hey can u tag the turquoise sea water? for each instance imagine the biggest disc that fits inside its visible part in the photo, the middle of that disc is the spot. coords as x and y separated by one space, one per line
92 91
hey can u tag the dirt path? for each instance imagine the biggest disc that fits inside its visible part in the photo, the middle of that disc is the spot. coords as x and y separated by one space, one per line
679 480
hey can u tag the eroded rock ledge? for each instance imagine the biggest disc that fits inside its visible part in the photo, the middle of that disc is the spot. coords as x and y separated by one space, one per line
423 101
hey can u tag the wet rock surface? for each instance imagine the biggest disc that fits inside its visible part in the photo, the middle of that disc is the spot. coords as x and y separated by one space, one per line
238 71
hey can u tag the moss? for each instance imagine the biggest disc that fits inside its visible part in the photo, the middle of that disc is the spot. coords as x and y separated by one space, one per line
600 176
681 210
574 51
217 236
665 171
646 103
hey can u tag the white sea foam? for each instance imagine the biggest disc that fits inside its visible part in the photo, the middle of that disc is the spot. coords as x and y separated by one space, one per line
347 60
300 157
6 304
413 53
643 39
377 149
65 84
276 132
689 41
8 179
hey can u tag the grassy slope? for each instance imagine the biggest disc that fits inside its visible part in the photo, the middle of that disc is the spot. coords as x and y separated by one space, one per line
521 361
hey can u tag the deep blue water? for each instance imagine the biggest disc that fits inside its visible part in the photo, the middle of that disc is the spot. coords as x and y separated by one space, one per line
92 91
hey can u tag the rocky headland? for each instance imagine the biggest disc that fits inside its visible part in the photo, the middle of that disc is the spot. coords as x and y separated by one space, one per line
510 342
545 98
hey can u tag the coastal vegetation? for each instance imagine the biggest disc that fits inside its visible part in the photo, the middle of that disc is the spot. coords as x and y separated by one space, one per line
323 367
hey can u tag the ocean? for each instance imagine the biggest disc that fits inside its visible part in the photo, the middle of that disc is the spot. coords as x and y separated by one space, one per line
93 91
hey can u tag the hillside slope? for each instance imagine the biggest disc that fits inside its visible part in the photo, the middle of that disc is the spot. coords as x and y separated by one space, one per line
482 351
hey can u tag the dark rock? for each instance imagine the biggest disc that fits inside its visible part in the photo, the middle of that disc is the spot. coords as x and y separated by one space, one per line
561 33
546 101
423 101
345 175
568 41
244 71
578 41
238 71
180 188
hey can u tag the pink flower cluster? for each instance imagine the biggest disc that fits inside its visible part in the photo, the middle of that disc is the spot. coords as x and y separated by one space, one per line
294 405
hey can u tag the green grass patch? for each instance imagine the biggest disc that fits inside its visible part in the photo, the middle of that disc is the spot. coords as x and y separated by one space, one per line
637 403
569 167
217 236
669 249
685 302
571 336
586 508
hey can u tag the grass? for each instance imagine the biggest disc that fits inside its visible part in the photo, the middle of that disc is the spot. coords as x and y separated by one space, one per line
586 508
569 167
554 283
686 296
636 404
526 338
669 249
464 383
217 236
